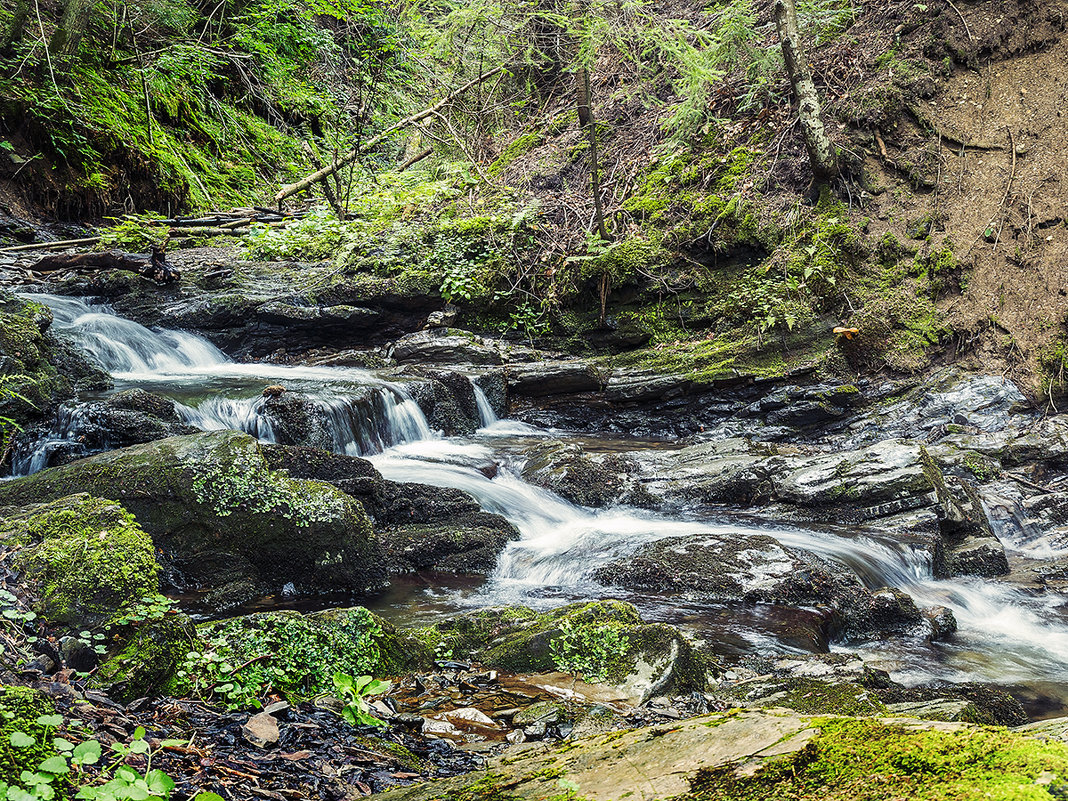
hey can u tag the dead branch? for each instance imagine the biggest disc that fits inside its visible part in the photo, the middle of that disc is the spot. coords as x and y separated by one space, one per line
354 154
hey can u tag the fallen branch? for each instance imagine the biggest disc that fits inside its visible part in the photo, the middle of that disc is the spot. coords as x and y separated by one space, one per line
354 154
63 243
155 267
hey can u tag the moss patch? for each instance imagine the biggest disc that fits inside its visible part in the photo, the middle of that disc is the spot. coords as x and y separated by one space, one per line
862 760
88 556
147 665
19 709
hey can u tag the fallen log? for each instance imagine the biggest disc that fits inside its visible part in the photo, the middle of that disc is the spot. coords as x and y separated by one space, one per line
63 243
355 153
155 267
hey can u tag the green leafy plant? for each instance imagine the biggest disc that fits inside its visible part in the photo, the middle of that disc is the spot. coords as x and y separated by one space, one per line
354 693
242 660
147 609
592 653
115 780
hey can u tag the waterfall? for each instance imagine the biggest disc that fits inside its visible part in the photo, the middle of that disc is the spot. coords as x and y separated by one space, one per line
1005 634
363 413
486 415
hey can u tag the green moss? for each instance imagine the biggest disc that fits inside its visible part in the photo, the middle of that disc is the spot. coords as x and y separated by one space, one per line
980 466
871 761
19 709
811 696
516 148
147 664
88 556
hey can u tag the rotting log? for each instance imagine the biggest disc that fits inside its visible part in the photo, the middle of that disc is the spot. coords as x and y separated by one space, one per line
155 267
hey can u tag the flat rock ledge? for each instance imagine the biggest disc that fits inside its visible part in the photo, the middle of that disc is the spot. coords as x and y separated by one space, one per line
656 762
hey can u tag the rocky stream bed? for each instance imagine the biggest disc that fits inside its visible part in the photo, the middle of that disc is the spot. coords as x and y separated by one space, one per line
515 520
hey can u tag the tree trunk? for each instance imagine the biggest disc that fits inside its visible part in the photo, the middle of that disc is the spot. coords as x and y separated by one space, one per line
17 28
71 28
587 121
820 149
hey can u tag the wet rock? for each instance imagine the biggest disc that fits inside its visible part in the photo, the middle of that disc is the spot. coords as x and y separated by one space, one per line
607 641
212 492
297 419
949 709
586 479
636 387
444 346
494 384
78 654
758 569
87 556
541 379
977 556
447 400
941 621
420 527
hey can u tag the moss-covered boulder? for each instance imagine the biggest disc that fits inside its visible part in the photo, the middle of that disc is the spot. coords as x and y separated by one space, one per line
212 504
602 641
147 663
88 557
19 709
298 655
419 526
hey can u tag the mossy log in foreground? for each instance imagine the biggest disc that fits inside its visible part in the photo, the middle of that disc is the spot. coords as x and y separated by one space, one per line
768 755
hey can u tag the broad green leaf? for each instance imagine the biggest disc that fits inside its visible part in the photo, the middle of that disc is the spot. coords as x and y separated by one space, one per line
50 720
20 739
88 753
57 764
62 744
159 782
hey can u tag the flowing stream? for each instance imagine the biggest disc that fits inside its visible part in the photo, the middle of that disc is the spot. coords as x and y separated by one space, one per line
1005 635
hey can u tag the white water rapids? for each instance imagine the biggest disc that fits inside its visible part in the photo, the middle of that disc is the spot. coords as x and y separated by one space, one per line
1005 635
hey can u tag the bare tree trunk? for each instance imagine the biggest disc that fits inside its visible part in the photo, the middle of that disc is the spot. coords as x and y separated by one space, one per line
820 148
587 121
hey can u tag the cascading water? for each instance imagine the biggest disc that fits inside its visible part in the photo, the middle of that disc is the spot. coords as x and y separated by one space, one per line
212 392
1004 635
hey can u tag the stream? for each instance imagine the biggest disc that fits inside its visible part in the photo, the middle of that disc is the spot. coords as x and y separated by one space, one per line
1005 636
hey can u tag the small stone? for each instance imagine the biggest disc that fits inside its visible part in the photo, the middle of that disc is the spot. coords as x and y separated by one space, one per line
261 730
276 707
516 736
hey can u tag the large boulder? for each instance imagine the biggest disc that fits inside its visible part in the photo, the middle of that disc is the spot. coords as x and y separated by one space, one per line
447 400
88 558
419 526
604 641
211 502
127 418
148 660
586 479
541 379
758 569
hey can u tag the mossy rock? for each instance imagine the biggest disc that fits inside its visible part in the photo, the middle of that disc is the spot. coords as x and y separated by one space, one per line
87 555
771 755
147 664
34 364
213 493
604 641
298 655
19 709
